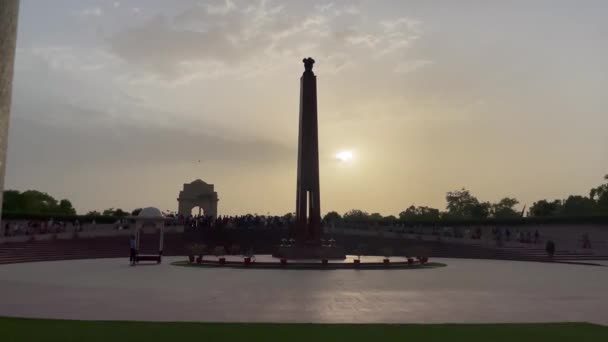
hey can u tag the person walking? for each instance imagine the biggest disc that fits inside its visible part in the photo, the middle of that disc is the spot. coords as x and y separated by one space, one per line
133 247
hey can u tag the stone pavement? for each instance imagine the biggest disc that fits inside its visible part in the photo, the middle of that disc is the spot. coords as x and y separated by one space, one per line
464 291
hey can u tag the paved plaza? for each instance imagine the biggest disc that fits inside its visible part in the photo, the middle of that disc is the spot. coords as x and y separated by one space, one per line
464 291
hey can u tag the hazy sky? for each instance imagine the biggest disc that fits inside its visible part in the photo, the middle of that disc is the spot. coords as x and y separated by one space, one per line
115 102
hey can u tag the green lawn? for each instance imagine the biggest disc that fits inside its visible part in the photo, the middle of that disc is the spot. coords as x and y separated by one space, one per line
18 329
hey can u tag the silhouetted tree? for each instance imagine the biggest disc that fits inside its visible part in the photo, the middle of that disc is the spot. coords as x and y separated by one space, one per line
421 213
356 215
35 202
579 206
505 208
332 216
600 195
390 219
12 201
376 217
461 204
115 212
65 207
544 208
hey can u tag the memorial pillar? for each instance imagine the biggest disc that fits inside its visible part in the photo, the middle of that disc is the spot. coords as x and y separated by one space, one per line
9 10
308 209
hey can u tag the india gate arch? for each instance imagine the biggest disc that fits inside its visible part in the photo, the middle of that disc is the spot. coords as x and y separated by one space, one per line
197 194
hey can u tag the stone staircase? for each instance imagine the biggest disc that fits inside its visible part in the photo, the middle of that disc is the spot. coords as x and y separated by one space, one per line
101 247
561 256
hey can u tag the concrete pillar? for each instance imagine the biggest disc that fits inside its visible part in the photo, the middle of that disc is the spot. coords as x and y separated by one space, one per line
9 10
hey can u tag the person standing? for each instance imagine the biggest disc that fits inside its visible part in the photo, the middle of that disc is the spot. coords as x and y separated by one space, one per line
133 247
550 248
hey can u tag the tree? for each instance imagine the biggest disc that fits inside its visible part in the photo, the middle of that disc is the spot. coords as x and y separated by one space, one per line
332 216
421 213
375 217
481 210
601 193
356 215
505 208
544 208
93 213
461 204
115 212
35 202
579 206
12 201
390 219
65 206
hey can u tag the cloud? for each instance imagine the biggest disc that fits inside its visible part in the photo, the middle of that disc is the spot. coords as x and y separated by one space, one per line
92 12
225 7
409 66
161 48
324 7
116 4
250 37
399 25
367 40
87 140
352 10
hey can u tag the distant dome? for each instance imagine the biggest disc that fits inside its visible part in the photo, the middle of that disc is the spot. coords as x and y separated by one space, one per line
150 212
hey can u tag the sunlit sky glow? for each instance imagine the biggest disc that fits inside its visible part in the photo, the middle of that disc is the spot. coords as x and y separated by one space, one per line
115 102
344 156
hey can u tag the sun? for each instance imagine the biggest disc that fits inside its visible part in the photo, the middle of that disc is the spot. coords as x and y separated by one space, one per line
344 156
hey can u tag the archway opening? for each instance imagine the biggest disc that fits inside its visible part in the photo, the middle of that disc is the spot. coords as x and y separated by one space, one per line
197 211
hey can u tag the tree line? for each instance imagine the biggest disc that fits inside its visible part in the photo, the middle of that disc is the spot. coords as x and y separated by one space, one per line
33 202
460 205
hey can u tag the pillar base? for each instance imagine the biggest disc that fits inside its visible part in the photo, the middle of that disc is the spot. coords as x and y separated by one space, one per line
310 251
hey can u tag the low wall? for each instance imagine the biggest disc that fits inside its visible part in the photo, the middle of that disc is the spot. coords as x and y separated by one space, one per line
565 236
89 231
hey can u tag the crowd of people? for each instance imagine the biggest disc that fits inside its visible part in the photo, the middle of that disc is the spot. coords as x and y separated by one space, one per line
519 236
234 222
246 222
33 227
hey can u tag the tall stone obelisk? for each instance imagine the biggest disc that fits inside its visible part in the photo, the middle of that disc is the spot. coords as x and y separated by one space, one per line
308 209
